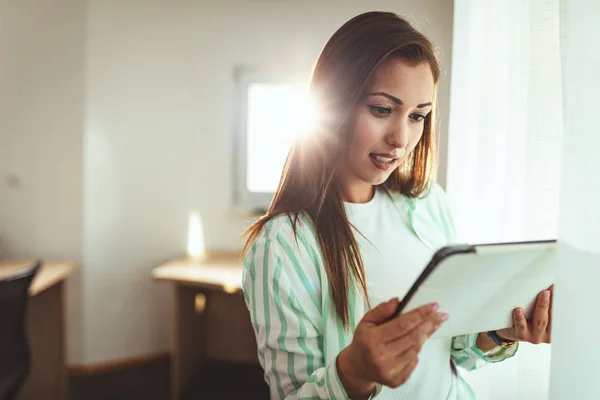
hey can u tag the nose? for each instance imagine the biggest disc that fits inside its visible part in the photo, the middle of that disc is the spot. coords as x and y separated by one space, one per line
397 136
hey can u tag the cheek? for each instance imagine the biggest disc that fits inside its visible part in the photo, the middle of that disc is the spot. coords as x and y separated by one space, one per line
367 132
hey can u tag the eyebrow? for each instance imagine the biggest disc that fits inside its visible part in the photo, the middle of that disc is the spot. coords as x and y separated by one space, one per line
395 99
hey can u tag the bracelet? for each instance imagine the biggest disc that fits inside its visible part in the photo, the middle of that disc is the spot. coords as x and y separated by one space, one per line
499 341
375 391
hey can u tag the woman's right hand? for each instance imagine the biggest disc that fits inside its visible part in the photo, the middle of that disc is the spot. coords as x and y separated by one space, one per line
386 352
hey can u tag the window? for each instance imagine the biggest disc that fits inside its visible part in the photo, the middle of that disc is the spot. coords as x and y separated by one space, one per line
270 115
504 146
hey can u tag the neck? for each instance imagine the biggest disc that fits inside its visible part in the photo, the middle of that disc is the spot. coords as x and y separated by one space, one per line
357 193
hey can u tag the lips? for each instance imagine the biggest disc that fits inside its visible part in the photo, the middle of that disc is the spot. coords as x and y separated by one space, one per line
383 157
383 162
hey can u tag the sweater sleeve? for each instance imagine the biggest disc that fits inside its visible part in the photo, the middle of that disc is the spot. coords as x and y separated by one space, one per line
465 352
284 305
467 355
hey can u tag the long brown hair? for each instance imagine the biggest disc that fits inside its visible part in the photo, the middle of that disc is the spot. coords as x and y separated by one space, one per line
308 183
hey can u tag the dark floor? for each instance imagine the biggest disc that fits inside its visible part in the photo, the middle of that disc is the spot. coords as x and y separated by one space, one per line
217 381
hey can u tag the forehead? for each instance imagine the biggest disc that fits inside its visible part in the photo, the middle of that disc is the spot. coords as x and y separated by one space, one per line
410 82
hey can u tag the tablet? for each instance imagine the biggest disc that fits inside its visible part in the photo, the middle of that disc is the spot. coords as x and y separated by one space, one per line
479 286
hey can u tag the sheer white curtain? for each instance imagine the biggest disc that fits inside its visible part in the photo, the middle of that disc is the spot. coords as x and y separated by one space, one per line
575 349
504 148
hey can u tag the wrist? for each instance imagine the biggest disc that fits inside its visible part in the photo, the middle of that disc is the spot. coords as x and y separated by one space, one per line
484 342
356 387
504 335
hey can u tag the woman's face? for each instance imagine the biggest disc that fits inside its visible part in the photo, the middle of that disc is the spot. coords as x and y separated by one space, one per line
387 125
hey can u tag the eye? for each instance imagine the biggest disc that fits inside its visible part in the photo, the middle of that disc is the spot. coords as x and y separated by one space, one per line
418 117
380 112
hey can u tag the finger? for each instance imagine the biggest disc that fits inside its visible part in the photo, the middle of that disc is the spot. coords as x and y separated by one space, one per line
549 328
540 315
406 373
413 339
405 323
406 364
396 370
382 312
520 324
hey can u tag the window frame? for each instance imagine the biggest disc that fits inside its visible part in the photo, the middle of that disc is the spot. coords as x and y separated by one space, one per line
244 199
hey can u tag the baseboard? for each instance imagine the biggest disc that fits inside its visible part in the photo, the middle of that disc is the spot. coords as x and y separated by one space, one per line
115 365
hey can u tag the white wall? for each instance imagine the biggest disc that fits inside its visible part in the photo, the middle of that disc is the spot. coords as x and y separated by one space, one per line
41 128
146 118
158 137
575 353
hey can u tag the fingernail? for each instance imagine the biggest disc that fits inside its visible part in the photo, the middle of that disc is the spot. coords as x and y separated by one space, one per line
546 295
392 300
519 312
444 317
434 307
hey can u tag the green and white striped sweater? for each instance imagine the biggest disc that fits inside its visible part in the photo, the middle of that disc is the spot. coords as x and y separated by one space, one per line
297 331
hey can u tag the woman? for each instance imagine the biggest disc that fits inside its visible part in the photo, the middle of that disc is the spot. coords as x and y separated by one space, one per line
355 219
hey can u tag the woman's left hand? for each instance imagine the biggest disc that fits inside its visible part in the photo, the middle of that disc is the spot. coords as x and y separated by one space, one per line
538 329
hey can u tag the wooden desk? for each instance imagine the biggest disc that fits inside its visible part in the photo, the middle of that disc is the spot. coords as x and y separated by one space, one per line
211 319
48 377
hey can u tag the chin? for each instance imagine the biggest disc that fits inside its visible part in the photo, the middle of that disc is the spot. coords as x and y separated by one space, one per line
381 181
378 179
368 173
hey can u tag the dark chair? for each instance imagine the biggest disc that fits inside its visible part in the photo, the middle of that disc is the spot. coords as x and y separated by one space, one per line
15 356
